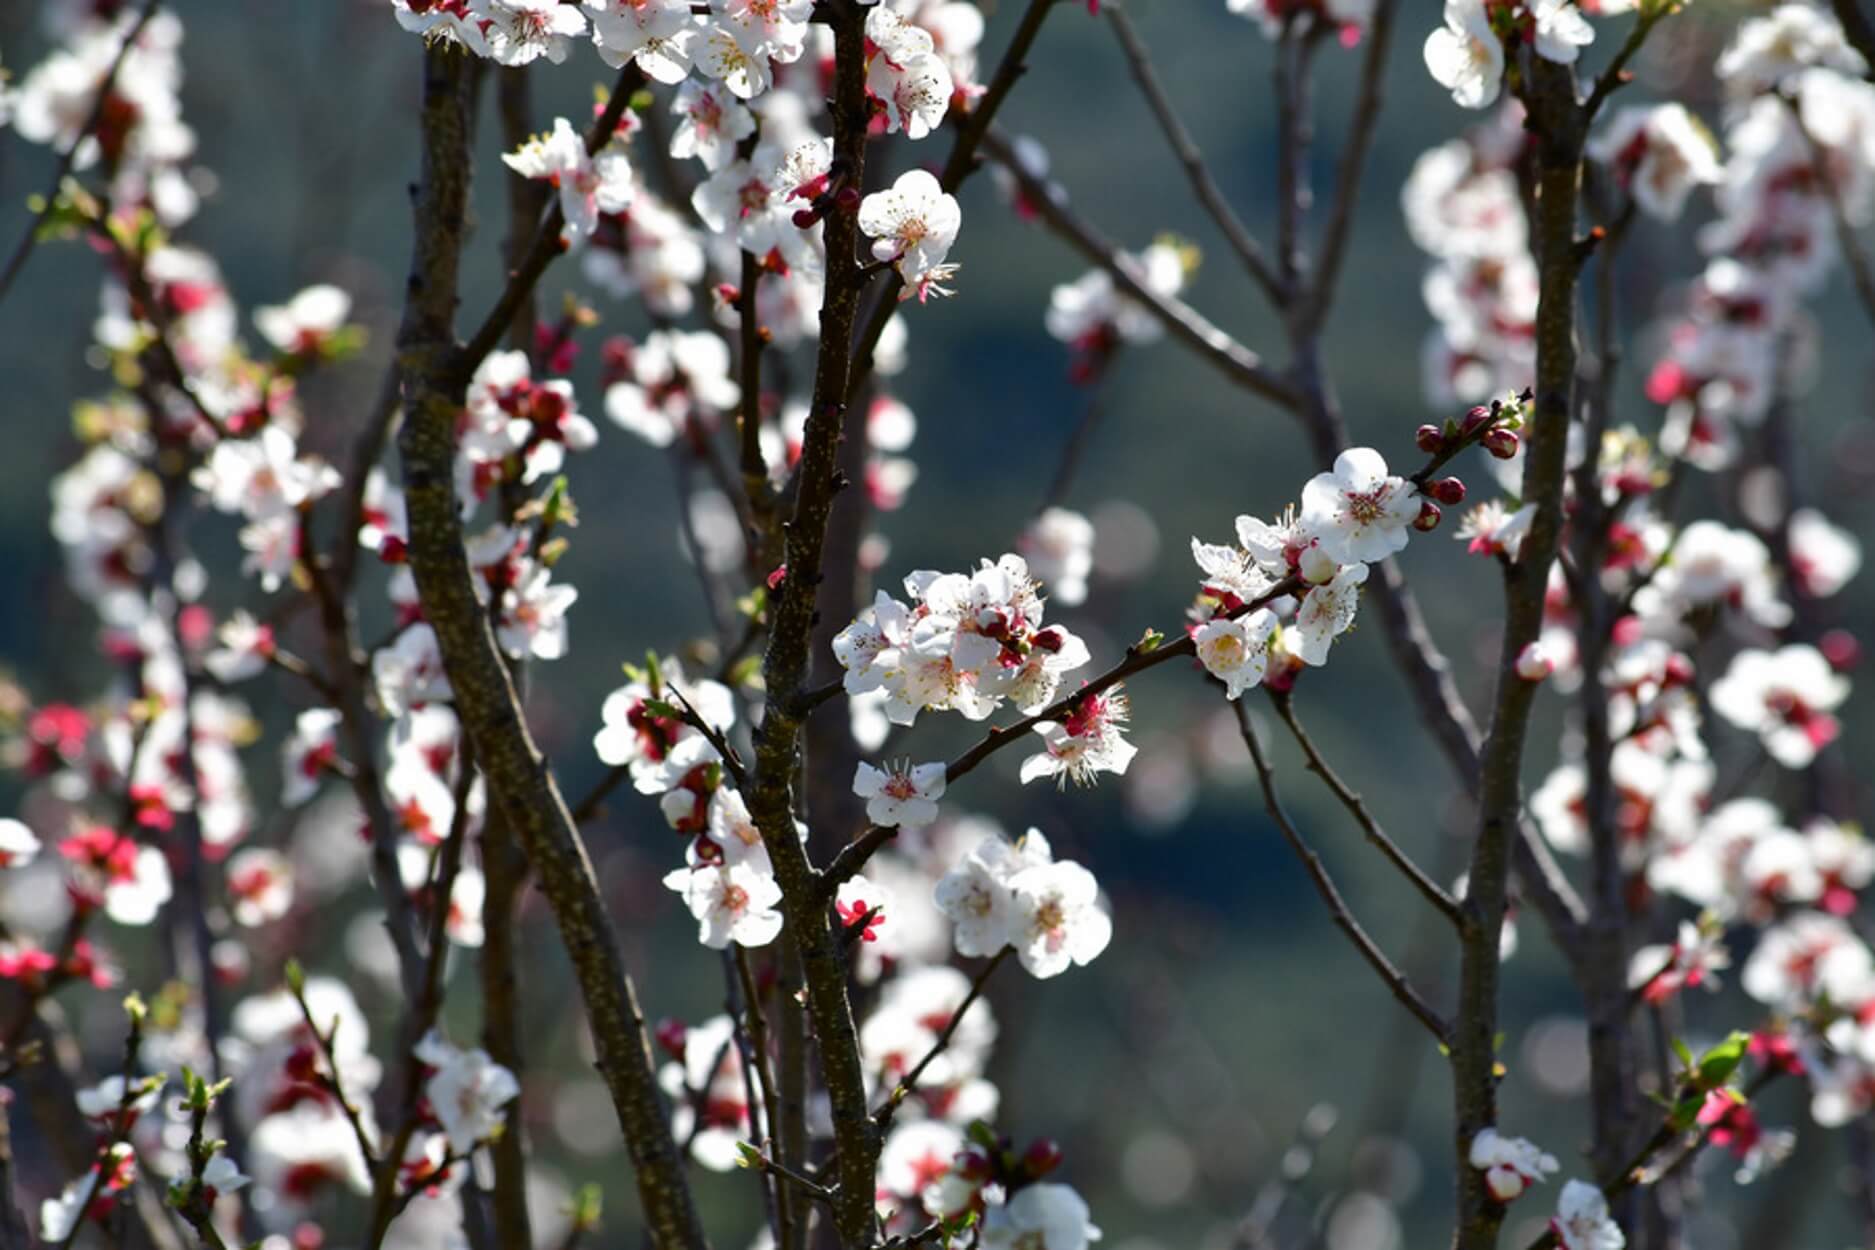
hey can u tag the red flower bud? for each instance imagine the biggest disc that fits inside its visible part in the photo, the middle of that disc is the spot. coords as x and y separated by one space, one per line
1431 439
1448 491
1841 649
671 1034
1501 442
1428 518
1042 1157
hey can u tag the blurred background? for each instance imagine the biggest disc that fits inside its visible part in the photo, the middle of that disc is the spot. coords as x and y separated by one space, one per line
1229 1049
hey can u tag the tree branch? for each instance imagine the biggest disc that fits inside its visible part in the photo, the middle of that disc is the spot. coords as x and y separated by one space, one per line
519 779
1325 886
1248 250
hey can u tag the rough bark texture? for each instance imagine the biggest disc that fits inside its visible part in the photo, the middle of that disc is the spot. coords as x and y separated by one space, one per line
1557 121
792 616
519 780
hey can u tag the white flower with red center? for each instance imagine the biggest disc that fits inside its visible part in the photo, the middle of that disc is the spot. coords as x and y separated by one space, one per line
1786 697
306 324
901 795
308 754
1561 32
1806 957
263 476
522 31
711 121
260 886
92 1195
106 1105
914 1156
1055 918
1236 651
467 1091
130 881
533 615
677 386
734 831
1823 557
706 1086
1052 653
656 34
1088 740
1790 38
719 53
445 21
731 903
299 1154
1693 959
1326 612
245 647
1491 529
906 74
913 226
1582 1221
18 844
1465 56
589 184
774 29
660 749
1359 513
1843 858
1510 1164
864 907
1044 1216
1659 153
882 628
975 894
1778 873
409 673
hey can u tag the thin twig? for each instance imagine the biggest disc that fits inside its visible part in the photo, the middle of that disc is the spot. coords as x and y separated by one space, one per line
1429 889
1324 884
1203 185
30 239
908 1084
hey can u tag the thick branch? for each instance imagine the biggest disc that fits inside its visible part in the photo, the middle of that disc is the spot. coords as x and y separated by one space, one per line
523 787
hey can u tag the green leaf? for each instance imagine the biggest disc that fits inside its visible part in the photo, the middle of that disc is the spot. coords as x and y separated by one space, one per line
1685 1053
1717 1065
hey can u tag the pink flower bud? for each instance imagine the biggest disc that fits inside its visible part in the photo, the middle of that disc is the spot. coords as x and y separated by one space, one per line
805 218
1448 491
1476 419
671 1036
848 199
1428 518
1533 663
1501 442
1430 439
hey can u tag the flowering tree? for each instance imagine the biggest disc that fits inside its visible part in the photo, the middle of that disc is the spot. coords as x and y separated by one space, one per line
846 1073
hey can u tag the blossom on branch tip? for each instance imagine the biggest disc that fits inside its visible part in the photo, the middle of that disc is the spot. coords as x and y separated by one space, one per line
1510 1164
1236 651
466 1090
588 184
1465 55
913 226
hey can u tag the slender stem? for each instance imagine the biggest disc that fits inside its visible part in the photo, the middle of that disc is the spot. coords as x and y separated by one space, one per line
1344 919
1218 349
1429 889
908 1084
1203 185
24 248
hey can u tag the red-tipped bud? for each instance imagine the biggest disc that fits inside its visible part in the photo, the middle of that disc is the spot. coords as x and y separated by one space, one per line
805 218
671 1035
1679 670
1431 439
1501 442
1475 420
1428 518
1042 1157
1448 491
848 199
